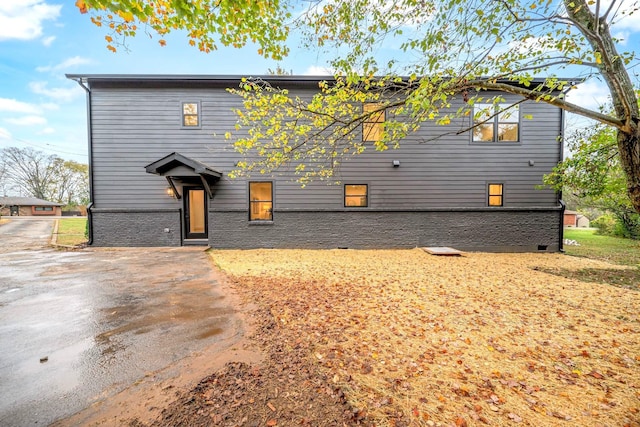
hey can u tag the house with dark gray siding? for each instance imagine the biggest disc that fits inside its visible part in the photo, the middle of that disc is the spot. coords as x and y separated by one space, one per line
159 166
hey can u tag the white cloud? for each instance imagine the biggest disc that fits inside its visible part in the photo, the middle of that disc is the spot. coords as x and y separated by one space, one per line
47 41
15 106
315 70
591 94
627 15
5 134
47 131
22 19
57 93
50 106
65 65
26 120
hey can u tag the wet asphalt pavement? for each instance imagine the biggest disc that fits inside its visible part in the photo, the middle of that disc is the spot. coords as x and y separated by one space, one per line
76 327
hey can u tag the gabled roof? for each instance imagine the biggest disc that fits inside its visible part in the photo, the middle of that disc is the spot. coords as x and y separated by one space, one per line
165 165
177 166
26 201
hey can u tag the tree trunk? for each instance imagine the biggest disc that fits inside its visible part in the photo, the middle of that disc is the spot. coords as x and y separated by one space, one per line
629 149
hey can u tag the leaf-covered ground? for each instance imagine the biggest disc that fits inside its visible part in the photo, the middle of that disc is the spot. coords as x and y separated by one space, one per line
419 340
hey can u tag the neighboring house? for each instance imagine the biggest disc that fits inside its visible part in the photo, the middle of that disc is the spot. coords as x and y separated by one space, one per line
575 219
28 206
159 167
583 222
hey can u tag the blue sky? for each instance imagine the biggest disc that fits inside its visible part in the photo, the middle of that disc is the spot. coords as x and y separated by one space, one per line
41 40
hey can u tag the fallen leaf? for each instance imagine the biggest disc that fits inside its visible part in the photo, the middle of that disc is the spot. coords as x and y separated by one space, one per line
514 417
366 369
461 422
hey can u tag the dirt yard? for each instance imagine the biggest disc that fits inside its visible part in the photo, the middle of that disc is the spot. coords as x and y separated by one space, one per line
403 338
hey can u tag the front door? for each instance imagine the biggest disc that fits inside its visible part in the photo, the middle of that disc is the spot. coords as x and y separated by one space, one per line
195 213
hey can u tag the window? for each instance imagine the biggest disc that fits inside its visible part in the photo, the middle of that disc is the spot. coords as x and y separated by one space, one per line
496 194
356 195
372 126
190 114
496 123
44 208
260 201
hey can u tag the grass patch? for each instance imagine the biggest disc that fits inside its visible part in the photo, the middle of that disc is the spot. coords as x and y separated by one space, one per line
605 248
614 250
71 231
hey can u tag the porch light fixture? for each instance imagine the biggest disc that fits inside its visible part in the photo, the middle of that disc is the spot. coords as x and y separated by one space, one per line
170 192
396 163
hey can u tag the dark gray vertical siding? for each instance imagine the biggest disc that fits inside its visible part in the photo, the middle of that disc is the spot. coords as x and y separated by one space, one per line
133 127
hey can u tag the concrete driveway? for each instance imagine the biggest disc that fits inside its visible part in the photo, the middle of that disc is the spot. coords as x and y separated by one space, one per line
79 327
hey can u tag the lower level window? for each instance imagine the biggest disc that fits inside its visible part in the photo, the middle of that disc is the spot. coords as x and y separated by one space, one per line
356 195
260 201
496 194
44 208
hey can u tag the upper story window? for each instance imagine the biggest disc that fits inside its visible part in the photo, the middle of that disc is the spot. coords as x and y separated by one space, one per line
372 126
496 123
261 201
356 195
496 194
191 114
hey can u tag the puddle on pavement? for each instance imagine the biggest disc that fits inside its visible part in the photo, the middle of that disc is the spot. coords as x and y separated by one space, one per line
209 333
158 315
123 312
62 269
137 319
60 370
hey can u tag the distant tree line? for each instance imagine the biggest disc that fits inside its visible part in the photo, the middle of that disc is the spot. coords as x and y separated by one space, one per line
593 182
32 173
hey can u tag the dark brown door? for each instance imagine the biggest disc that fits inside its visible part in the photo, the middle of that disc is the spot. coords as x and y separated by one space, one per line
195 213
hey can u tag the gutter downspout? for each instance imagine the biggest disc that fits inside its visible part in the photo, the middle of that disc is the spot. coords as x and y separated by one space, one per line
561 243
560 201
90 155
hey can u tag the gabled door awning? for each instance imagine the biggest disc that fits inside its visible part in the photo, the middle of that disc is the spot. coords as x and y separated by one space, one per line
176 166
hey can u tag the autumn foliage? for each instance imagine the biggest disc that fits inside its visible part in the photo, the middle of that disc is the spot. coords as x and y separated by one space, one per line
207 24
